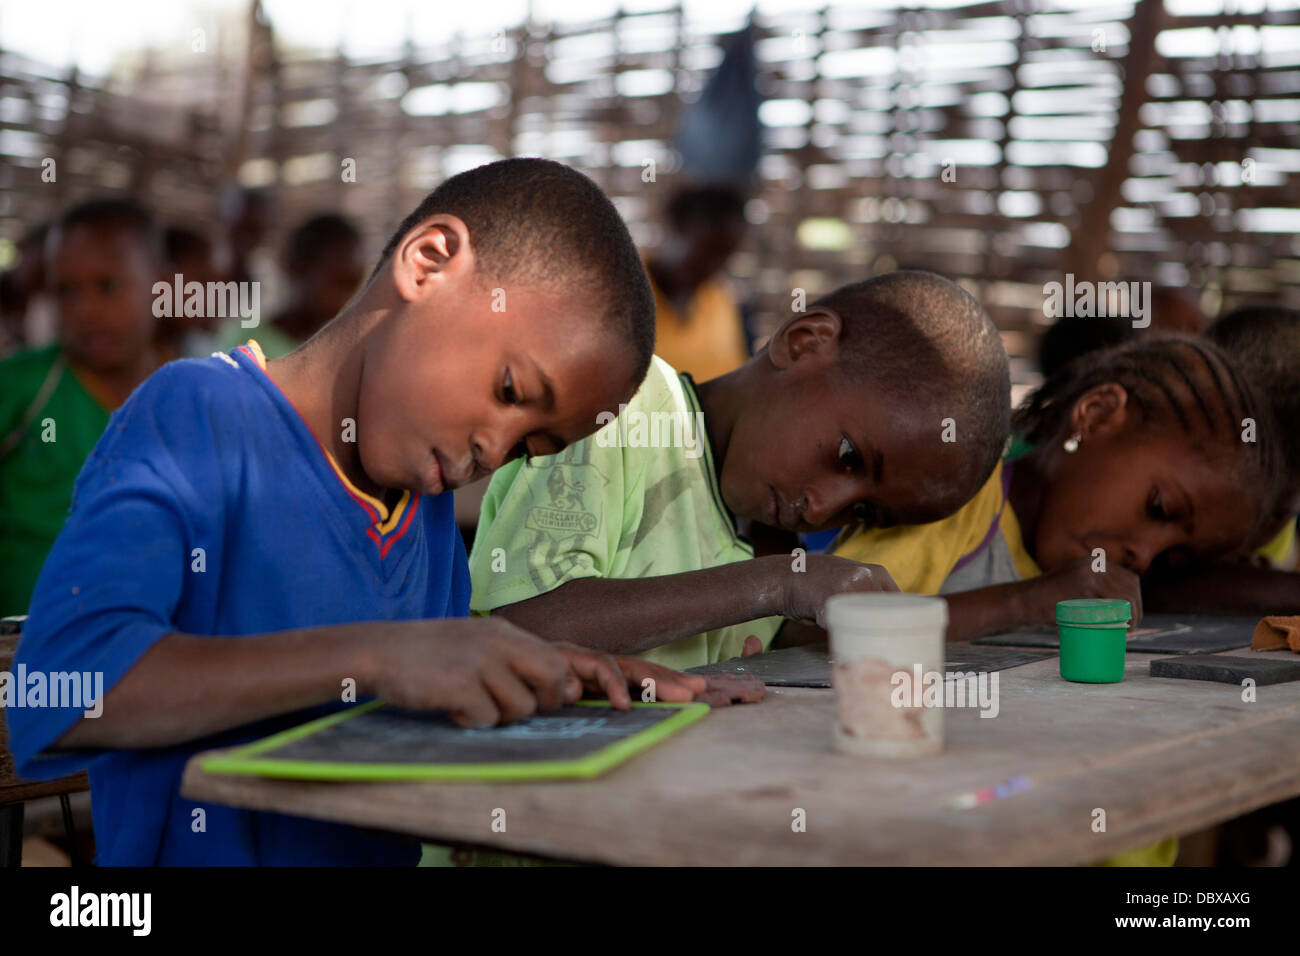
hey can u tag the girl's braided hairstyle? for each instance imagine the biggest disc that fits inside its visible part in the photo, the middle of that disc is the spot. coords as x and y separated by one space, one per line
1171 380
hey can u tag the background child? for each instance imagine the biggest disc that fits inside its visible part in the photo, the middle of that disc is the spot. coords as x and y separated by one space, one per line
323 267
103 258
634 549
1131 454
189 254
237 554
1264 341
698 327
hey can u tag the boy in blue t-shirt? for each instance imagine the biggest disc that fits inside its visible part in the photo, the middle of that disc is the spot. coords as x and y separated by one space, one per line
249 539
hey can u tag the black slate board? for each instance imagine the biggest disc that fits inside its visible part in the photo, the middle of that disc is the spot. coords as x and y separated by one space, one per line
393 735
1230 670
968 657
1181 634
809 666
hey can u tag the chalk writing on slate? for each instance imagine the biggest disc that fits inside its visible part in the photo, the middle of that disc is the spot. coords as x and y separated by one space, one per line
391 735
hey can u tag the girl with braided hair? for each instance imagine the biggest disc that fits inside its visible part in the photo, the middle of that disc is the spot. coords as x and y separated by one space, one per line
1154 453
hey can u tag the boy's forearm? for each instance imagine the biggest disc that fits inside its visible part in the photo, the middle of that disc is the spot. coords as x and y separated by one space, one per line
188 687
1225 589
990 610
631 615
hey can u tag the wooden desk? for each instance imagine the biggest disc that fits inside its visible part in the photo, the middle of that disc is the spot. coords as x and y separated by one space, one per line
1159 756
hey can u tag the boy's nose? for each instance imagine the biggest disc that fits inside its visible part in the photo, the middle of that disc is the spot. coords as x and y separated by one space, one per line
823 506
490 452
1138 557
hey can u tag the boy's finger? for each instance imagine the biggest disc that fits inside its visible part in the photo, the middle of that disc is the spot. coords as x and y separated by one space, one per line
636 670
752 646
744 688
600 672
513 698
714 698
573 688
671 686
546 672
476 709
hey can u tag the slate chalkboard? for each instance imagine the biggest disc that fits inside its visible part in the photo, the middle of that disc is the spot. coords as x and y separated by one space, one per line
376 742
809 666
1158 634
1228 669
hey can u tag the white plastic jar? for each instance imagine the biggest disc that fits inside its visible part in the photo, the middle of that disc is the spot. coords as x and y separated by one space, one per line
884 647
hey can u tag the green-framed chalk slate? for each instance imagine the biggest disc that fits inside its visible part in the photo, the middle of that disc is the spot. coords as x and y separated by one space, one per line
375 742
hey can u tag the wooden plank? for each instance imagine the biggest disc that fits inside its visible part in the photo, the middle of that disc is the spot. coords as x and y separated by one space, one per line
1159 756
1091 237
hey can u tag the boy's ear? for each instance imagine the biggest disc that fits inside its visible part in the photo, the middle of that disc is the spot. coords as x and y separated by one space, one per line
436 249
1100 412
815 332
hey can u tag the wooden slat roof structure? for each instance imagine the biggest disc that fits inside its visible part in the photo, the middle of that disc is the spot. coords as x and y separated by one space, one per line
1001 143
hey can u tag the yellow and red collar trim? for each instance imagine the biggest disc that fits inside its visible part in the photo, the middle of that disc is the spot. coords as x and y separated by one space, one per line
383 521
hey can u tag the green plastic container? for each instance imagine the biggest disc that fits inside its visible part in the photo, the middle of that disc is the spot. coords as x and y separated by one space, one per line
1094 637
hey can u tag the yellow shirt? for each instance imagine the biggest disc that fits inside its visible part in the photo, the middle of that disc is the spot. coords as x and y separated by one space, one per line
1281 550
921 558
709 340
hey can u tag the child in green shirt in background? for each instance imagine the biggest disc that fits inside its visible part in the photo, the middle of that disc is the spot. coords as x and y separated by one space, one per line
55 401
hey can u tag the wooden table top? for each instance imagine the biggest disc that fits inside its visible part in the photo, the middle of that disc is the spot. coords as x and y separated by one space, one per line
1160 757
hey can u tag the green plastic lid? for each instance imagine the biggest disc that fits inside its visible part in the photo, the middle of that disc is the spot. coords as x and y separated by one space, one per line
1093 611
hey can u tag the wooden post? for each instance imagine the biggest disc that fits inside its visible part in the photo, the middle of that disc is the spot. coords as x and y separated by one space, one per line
1091 240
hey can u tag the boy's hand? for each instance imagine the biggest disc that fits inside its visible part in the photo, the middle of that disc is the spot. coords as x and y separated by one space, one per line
1078 580
594 671
805 592
482 671
670 686
726 689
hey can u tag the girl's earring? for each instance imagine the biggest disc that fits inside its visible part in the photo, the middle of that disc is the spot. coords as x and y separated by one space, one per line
1072 443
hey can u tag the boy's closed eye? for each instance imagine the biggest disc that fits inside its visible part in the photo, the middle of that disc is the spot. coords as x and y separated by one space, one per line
847 455
1156 505
1166 505
509 394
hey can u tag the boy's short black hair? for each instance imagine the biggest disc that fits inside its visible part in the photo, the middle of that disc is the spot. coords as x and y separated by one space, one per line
1264 341
913 332
316 236
535 220
707 204
113 212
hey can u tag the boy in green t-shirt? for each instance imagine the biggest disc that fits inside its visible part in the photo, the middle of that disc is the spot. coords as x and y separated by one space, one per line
55 401
886 402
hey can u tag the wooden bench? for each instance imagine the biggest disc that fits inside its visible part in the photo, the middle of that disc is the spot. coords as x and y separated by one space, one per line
14 790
